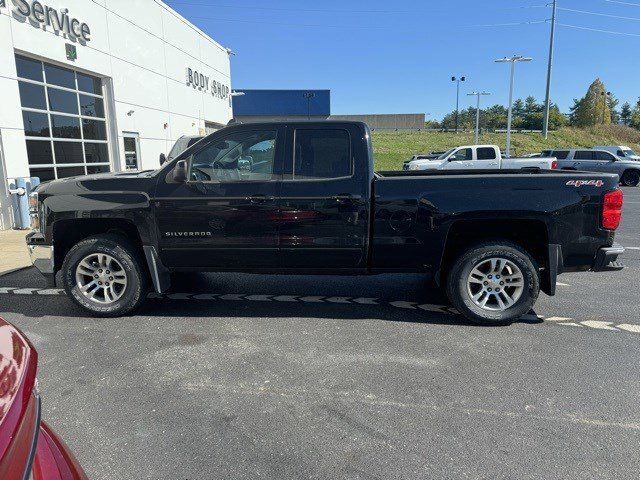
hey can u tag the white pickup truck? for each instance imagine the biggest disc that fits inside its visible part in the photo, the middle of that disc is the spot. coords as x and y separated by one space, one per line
480 157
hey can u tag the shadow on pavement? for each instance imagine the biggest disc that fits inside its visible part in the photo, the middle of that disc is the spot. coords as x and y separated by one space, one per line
383 289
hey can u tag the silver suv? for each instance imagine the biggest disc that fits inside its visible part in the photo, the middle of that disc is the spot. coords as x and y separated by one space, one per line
592 160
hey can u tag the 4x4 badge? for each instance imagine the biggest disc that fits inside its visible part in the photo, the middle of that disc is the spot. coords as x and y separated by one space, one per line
580 183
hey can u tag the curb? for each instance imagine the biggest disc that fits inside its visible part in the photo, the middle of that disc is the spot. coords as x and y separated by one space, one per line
14 270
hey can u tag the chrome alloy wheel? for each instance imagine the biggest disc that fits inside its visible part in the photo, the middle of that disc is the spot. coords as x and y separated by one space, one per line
495 284
101 278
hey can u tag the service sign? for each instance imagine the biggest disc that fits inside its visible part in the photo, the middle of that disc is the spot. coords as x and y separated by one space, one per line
202 82
61 21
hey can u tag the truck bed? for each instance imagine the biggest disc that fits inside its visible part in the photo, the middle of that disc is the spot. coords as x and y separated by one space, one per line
450 173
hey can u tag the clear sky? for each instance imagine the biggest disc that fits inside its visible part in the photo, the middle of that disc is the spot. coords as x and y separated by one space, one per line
398 56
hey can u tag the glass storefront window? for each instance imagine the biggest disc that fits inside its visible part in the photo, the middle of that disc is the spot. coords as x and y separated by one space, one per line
36 124
64 120
32 96
27 68
60 76
63 101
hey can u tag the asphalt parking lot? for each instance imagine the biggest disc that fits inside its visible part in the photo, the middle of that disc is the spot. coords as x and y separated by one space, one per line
244 376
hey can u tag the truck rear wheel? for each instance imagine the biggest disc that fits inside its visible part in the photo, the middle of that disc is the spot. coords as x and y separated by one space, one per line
103 274
493 283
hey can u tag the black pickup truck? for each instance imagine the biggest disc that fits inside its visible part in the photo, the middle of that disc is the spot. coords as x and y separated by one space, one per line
302 198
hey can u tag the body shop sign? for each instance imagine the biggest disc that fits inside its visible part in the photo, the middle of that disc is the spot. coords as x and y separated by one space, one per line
43 16
201 82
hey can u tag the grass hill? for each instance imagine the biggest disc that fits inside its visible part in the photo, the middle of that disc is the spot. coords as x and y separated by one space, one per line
393 148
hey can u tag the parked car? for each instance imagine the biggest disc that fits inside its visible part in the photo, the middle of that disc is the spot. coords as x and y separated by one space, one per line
315 206
421 156
479 157
29 449
599 161
180 146
621 151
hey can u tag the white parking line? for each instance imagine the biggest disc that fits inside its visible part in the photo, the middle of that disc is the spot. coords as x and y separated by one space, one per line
599 325
365 301
629 328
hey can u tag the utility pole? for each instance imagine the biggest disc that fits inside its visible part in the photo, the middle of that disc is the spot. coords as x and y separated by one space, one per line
512 60
547 103
477 94
458 80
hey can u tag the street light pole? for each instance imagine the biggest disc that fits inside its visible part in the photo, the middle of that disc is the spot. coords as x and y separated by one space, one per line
512 60
477 94
458 80
309 96
547 103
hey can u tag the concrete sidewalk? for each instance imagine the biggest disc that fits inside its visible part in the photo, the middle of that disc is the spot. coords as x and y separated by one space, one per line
13 250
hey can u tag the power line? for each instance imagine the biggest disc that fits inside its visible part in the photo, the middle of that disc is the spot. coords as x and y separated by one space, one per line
623 3
612 32
287 24
533 22
599 14
279 9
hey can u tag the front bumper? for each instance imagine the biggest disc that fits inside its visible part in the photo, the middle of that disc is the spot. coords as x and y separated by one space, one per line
607 259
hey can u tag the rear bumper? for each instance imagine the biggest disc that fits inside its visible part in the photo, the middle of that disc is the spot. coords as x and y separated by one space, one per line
53 460
607 259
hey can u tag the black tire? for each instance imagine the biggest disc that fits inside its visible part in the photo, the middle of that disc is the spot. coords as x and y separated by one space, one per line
460 296
118 247
631 178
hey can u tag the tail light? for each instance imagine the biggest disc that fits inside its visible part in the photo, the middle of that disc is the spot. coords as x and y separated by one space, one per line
554 165
612 209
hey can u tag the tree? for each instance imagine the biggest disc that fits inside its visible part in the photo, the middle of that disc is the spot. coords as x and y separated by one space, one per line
635 116
625 113
612 103
593 108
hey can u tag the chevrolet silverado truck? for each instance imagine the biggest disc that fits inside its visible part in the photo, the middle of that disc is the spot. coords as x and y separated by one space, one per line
303 198
479 157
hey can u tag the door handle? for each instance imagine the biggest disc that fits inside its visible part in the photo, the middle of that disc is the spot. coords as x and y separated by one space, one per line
259 199
344 198
493 164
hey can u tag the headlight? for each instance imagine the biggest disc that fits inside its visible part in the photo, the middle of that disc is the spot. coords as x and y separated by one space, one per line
34 210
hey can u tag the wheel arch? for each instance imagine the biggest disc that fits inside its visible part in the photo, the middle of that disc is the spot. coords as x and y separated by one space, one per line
531 235
68 232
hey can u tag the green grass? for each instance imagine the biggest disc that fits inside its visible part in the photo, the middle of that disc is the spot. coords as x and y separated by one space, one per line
393 148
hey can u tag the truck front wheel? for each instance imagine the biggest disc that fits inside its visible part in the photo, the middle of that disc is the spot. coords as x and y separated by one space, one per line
493 283
103 274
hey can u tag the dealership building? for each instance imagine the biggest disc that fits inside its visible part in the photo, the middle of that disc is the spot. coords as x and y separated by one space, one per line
89 86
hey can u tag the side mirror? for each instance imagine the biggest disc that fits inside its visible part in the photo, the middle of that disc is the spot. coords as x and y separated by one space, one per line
179 172
163 159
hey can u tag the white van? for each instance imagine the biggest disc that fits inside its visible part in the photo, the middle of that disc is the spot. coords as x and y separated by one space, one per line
621 151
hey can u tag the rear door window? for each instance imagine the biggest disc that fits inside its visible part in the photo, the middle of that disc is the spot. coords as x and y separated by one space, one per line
486 153
560 154
583 155
322 154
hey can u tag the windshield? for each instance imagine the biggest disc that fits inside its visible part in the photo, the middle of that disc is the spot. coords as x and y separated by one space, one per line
629 153
180 146
446 154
